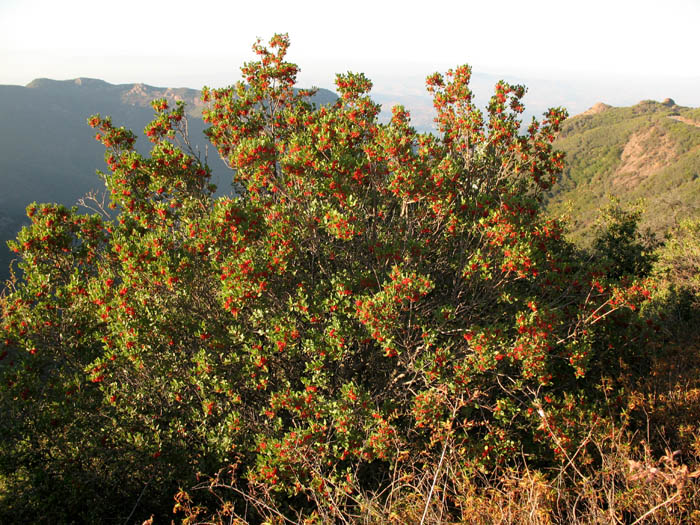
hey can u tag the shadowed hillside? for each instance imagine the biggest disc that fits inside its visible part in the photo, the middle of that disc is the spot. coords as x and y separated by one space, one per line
47 151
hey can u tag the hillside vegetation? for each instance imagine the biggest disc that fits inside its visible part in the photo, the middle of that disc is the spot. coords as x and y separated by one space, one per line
372 326
650 151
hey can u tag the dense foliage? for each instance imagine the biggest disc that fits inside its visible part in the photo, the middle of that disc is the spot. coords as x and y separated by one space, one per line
368 302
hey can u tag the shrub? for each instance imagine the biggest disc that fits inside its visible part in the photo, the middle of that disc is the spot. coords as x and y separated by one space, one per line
368 301
625 252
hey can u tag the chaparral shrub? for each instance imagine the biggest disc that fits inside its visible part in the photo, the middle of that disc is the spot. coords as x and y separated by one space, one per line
366 302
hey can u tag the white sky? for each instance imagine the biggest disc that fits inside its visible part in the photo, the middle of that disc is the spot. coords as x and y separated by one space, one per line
177 43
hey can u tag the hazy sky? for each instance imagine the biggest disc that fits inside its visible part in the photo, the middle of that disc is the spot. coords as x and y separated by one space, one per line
177 43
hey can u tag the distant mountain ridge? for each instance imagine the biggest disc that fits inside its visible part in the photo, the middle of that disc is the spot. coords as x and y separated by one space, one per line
47 150
139 94
648 151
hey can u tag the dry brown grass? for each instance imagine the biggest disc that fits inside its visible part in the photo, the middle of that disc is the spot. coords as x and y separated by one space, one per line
647 152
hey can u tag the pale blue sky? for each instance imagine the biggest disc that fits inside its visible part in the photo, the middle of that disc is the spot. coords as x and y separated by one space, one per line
610 44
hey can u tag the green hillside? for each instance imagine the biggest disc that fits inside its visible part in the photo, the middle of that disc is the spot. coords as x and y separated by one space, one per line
649 151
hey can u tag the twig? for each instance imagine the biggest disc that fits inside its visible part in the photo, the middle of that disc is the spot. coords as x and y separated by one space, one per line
654 509
435 477
137 502
257 501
